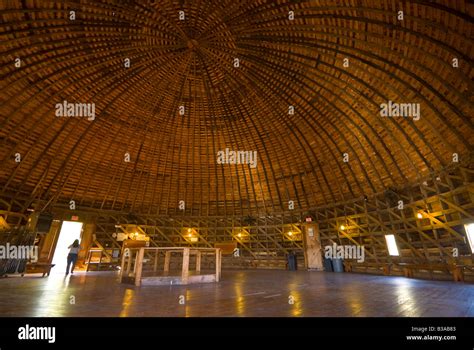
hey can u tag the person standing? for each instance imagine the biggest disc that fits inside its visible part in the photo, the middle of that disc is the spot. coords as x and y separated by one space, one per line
72 256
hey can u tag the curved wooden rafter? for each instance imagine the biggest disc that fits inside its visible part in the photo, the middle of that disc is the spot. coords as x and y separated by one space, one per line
189 63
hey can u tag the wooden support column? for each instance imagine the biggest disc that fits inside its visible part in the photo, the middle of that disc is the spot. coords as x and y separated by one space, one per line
122 266
167 262
49 243
129 263
89 258
100 259
135 262
185 269
155 266
312 247
86 242
198 261
408 272
458 273
139 267
218 264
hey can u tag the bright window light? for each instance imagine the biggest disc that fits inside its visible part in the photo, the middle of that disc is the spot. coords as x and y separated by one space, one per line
470 235
70 231
392 245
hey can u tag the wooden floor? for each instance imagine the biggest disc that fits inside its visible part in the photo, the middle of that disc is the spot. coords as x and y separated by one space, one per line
241 293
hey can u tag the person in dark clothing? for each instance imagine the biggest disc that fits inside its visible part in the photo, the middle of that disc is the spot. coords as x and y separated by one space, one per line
72 256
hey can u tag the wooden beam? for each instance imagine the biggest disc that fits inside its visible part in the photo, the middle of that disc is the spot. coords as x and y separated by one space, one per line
139 267
167 262
185 267
198 261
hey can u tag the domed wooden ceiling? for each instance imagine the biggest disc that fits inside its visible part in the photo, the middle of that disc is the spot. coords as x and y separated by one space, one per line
239 69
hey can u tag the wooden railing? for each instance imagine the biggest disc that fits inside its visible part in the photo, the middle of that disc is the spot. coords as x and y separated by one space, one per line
135 257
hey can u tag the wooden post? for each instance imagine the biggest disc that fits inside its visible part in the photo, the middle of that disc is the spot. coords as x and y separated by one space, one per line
122 266
88 233
218 264
89 257
129 262
100 260
458 274
185 270
135 262
167 261
155 267
198 261
139 267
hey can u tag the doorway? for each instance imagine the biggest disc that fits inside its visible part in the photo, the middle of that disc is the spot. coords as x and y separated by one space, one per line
70 231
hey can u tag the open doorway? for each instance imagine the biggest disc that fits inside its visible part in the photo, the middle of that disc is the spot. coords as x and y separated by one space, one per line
70 231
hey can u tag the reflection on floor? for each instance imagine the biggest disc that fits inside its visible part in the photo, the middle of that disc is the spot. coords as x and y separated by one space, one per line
241 293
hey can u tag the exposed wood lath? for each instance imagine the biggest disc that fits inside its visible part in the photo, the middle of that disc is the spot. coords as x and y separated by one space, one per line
190 62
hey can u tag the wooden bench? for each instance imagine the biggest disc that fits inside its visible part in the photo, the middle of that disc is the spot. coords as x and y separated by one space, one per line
386 268
44 268
457 271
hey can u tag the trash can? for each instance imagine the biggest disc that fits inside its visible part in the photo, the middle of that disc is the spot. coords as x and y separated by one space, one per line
292 264
327 265
337 265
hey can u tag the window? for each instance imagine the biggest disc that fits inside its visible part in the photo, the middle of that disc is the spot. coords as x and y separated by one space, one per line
392 245
470 235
